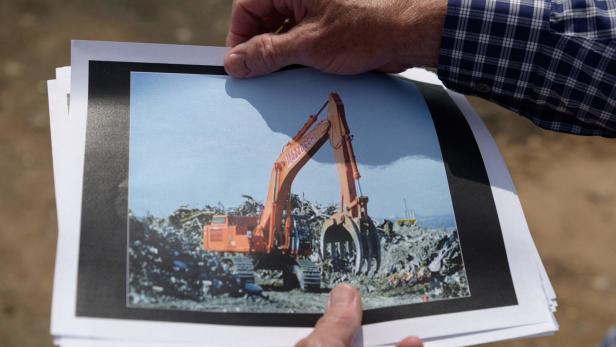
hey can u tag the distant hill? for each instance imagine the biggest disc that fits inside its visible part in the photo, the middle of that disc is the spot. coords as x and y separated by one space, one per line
439 221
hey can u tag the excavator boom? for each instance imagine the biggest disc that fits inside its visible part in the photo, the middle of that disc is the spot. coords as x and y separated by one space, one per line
349 234
295 154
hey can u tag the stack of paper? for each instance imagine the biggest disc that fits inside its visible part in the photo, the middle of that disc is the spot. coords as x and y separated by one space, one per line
198 210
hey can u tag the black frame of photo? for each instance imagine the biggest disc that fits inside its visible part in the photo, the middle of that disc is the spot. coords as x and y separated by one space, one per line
102 273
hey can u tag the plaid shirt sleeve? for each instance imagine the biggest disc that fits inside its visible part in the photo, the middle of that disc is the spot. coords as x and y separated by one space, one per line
553 62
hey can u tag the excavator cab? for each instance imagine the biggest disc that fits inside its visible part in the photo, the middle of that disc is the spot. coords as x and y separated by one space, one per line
229 233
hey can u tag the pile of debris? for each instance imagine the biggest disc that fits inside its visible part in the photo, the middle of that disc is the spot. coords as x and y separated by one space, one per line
309 218
167 260
415 255
414 260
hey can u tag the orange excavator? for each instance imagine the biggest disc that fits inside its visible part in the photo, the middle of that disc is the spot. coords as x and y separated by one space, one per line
276 240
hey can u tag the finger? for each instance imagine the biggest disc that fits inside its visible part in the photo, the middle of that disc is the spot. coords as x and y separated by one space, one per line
266 53
243 24
341 321
411 341
264 25
249 17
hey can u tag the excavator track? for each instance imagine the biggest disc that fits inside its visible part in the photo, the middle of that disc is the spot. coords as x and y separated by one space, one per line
308 275
243 267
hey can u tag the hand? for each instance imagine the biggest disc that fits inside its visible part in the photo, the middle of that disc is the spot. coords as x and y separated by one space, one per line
341 322
335 36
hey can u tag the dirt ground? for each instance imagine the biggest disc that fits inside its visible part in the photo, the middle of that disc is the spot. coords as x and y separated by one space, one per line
566 183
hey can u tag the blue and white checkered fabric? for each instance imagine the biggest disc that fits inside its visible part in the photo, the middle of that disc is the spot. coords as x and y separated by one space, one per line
552 61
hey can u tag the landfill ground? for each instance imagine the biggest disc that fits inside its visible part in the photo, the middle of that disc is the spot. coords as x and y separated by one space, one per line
565 183
169 268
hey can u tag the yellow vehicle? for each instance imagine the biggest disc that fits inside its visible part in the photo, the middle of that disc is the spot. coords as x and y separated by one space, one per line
409 217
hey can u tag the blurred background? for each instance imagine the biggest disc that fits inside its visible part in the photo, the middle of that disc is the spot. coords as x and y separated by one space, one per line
567 184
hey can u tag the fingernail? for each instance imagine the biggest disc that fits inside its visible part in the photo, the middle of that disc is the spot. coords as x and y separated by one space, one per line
342 295
236 65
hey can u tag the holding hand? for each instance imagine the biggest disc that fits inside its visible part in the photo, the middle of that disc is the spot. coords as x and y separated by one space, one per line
335 36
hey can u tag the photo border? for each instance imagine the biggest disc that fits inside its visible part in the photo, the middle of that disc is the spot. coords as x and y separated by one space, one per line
102 278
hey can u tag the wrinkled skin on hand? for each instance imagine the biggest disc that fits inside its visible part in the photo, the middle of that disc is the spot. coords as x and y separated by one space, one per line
335 36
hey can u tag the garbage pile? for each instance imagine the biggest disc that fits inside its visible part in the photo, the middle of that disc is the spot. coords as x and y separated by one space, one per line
164 261
414 260
429 257
167 260
309 217
168 263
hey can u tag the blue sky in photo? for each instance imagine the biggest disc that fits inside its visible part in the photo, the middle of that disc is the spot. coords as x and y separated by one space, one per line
204 139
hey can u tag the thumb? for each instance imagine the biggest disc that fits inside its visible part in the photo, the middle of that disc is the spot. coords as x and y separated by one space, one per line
264 53
411 341
341 321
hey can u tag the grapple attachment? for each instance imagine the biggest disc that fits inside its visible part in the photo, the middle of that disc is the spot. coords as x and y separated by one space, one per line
350 244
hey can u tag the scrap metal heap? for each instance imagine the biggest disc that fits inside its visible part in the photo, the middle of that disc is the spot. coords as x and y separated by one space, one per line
168 263
167 260
420 261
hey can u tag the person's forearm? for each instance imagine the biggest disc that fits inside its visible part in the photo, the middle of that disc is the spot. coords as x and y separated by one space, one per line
552 64
419 38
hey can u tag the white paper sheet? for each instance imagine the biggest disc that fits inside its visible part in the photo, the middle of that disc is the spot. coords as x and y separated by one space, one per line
58 90
68 164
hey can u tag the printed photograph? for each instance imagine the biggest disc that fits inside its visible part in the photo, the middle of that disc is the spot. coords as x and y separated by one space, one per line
243 202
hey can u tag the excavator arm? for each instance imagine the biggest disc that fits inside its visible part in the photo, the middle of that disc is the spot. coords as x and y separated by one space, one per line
295 154
346 165
348 238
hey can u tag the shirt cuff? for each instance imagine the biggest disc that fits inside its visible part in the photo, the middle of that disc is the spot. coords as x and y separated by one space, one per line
488 46
506 52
